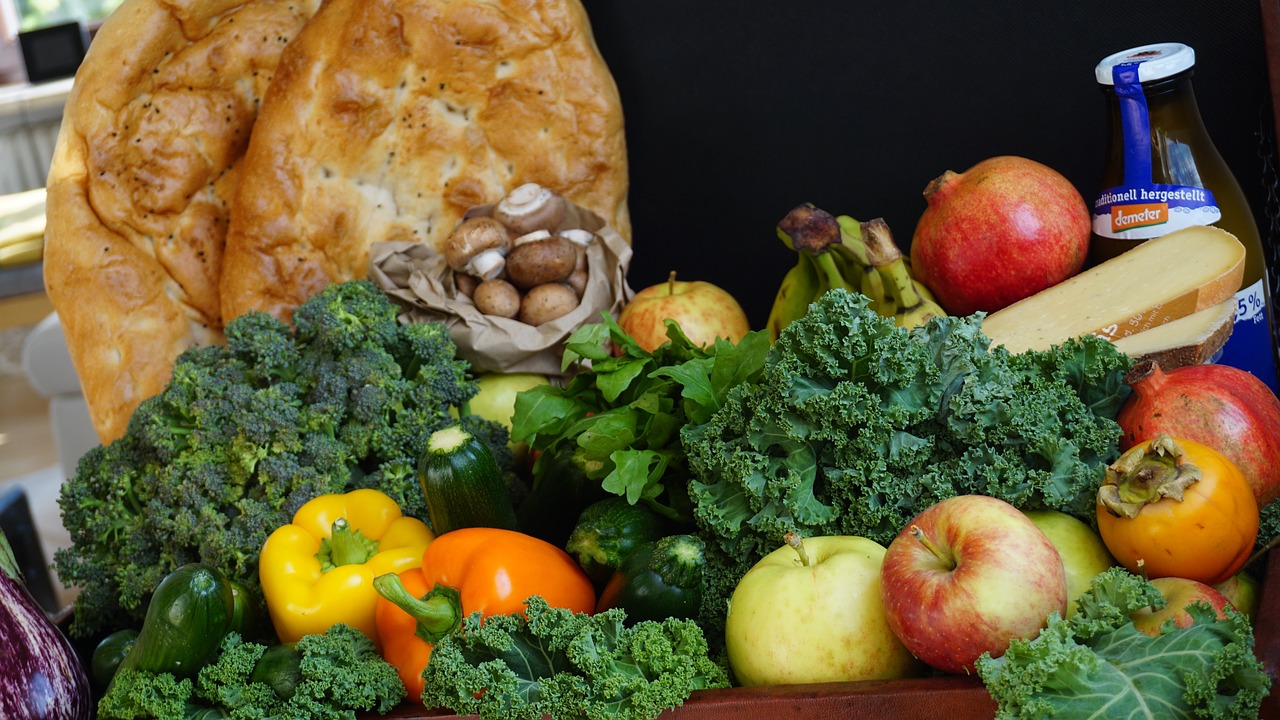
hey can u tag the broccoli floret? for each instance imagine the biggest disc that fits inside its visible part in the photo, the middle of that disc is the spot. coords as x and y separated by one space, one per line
328 676
245 433
554 662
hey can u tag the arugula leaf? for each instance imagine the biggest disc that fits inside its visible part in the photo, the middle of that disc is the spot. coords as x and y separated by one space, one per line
621 413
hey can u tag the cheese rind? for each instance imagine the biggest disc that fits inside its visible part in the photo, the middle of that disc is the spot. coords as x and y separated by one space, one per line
1162 279
1191 340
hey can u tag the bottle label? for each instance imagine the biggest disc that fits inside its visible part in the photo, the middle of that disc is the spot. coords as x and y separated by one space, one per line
1249 346
1141 209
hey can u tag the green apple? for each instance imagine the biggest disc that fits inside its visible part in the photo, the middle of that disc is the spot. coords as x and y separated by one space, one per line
496 400
810 612
1243 590
1083 553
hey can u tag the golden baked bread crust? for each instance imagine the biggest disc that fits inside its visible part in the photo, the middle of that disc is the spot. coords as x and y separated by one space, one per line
388 119
145 167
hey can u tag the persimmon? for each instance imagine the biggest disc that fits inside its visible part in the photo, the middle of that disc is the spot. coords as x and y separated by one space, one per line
1171 507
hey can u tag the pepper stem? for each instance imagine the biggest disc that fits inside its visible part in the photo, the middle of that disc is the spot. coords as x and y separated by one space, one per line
345 546
438 613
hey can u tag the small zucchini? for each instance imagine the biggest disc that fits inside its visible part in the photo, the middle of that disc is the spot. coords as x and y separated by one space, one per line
108 654
607 532
462 483
188 615
661 579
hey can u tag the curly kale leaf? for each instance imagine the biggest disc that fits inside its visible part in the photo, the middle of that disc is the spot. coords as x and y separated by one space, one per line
855 425
554 662
1098 664
245 433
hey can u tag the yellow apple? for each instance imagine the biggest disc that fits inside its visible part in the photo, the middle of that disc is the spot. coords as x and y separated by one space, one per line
1083 553
704 312
814 616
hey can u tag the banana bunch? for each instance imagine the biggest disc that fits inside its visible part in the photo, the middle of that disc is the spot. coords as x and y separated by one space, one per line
840 252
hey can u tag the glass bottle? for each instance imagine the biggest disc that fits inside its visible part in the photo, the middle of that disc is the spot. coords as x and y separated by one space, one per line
1163 173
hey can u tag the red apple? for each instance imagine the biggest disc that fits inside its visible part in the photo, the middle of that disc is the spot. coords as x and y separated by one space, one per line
1178 594
1004 229
1243 591
967 576
704 312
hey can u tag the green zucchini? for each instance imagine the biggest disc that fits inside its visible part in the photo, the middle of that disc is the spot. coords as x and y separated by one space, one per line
661 579
607 532
188 615
561 491
108 654
462 483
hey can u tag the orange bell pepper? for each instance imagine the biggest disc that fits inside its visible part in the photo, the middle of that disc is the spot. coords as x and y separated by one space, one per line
486 570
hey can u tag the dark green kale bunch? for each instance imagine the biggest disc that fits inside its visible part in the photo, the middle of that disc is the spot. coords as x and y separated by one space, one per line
245 433
855 425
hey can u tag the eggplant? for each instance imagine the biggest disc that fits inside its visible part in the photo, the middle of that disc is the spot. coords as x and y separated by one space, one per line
41 676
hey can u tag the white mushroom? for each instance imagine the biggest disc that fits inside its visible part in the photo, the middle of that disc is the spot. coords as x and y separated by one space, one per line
578 236
530 207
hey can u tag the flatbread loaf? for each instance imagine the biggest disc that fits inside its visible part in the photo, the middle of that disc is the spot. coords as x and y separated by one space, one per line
388 119
145 167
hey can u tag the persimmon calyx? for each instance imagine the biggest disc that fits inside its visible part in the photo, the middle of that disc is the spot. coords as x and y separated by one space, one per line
1145 474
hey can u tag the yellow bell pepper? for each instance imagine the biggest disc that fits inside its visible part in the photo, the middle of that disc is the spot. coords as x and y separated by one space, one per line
319 569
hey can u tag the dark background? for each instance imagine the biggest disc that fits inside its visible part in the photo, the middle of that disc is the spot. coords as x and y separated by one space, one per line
735 113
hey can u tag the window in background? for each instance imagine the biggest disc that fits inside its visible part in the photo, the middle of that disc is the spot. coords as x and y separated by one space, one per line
34 14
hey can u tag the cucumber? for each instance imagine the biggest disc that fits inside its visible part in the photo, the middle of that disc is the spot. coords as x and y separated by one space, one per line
462 483
661 579
607 532
188 615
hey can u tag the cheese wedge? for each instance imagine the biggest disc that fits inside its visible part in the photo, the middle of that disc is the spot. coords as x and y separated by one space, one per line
1162 279
1191 340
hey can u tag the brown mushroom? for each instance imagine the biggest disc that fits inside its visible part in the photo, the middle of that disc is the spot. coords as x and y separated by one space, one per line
478 246
465 284
541 261
530 207
546 302
497 297
578 281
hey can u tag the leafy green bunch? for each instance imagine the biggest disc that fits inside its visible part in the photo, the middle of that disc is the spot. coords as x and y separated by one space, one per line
1098 664
855 425
245 433
618 419
552 662
334 675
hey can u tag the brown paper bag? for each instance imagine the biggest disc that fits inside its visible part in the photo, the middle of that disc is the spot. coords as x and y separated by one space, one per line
417 277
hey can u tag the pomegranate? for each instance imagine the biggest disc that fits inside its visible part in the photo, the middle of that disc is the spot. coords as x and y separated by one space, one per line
1220 406
1002 230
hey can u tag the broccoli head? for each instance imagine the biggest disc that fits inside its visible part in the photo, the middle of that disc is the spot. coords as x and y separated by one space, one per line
246 432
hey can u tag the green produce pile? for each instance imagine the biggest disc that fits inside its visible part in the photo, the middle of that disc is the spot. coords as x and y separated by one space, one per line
245 433
562 664
1097 664
855 425
329 676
